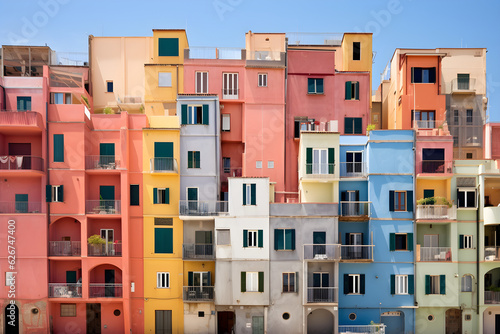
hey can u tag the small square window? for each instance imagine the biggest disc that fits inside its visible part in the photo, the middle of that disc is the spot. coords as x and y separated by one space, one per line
109 86
68 310
164 79
270 164
226 122
258 164
401 242
162 280
469 156
315 86
223 237
193 159
201 314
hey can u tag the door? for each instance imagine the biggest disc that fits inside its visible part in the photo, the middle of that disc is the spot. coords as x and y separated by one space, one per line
355 239
21 203
22 152
431 247
394 321
203 244
107 197
192 197
199 283
107 155
321 289
93 318
454 321
497 323
109 236
258 325
71 283
109 279
319 241
225 322
164 156
163 322
320 161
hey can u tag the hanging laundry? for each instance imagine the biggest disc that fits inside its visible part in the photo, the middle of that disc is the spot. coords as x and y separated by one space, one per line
4 159
19 162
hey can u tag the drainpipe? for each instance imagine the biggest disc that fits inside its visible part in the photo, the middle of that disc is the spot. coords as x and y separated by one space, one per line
477 249
265 319
284 117
414 221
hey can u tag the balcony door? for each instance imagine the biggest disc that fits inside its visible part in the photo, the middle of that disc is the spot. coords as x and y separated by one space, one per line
320 161
107 197
230 88
355 239
107 155
109 236
109 279
192 197
197 282
22 152
424 119
350 203
321 283
164 156
319 241
203 243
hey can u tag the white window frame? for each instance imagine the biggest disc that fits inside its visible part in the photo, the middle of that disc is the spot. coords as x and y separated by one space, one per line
192 112
248 191
253 241
202 274
468 242
401 284
55 193
320 161
464 285
230 93
258 164
355 279
166 78
467 190
270 164
226 122
160 194
435 287
203 89
316 86
262 80
252 281
163 278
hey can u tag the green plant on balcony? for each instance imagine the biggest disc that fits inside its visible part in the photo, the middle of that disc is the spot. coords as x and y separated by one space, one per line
108 111
96 240
369 128
437 200
492 288
86 101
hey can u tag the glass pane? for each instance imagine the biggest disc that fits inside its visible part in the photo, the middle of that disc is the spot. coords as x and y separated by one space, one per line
196 279
285 282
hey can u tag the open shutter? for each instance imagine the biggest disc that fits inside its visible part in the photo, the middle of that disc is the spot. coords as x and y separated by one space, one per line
409 201
60 193
277 234
391 200
296 282
245 238
309 160
442 284
331 160
411 284
205 114
343 196
244 194
190 278
346 284
432 75
260 238
184 114
190 159
155 195
393 284
356 94
392 241
252 194
243 281
347 240
348 90
409 241
427 284
261 281
461 241
293 239
362 284
48 193
167 195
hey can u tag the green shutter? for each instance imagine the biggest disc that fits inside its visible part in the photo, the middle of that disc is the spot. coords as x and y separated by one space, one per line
134 194
155 195
296 282
260 236
167 195
107 149
60 193
409 241
293 239
168 47
164 149
278 239
409 201
58 148
245 238
107 193
244 194
356 94
358 125
310 86
243 281
461 241
253 194
348 94
190 278
48 193
331 160
190 159
391 200
348 126
261 281
442 284
411 284
205 114
427 284
184 114
393 284
319 86
362 284
309 160
164 240
346 284
209 283
197 159
288 239
392 241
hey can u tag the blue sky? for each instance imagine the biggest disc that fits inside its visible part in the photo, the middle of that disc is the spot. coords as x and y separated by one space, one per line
65 24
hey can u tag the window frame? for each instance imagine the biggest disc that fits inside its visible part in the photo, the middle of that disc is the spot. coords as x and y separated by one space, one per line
401 285
316 92
161 194
354 87
252 277
224 230
398 194
195 164
255 238
469 116
435 286
262 80
423 70
355 283
159 279
463 284
203 89
108 82
466 191
230 93
55 193
65 313
228 127
248 194
226 169
193 111
468 242
290 287
396 235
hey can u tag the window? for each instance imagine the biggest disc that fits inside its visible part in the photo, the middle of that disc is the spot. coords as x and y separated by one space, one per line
302 123
426 119
401 201
253 238
230 85
162 280
161 196
352 90
466 198
270 164
400 284
168 47
428 193
463 81
468 156
249 194
194 114
58 148
314 86
226 122
455 141
284 239
252 281
465 241
226 164
423 75
54 193
435 284
109 86
164 242
134 194
354 162
262 79
24 103
290 282
467 283
353 125
356 51
164 79
401 241
223 237
193 159
201 82
68 310
60 98
354 284
456 117
469 119
258 164
320 160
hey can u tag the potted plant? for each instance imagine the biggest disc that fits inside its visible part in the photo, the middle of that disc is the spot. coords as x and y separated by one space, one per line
369 128
95 241
108 111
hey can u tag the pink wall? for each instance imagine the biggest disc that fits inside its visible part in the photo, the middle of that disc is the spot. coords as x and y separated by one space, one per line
95 181
21 185
445 142
311 62
58 270
351 108
65 227
97 273
95 226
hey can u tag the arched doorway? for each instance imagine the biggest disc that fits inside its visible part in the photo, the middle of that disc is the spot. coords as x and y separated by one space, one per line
11 319
454 321
395 322
320 322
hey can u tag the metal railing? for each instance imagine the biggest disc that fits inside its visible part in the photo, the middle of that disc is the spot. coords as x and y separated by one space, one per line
102 207
356 252
319 170
65 290
492 297
163 165
264 55
352 169
428 124
232 171
198 293
326 252
491 253
230 93
109 249
21 162
354 208
65 248
20 207
20 117
322 295
436 166
365 329
101 162
436 212
197 251
229 53
97 290
463 85
435 254
202 208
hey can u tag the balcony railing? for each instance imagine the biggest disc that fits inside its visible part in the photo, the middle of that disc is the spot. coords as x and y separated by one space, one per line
110 249
463 85
264 55
426 124
436 212
198 293
354 208
65 248
352 169
356 252
65 290
491 253
20 162
198 251
98 290
435 254
230 93
102 207
101 162
202 208
436 166
163 165
325 252
365 329
20 207
319 170
492 297
20 118
322 295
232 172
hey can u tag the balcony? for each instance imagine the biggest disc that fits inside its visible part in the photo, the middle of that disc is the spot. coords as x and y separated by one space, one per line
102 207
355 253
200 52
319 171
203 208
435 167
492 297
232 172
20 207
322 252
109 249
463 86
354 209
491 253
322 295
230 94
65 290
101 162
265 58
198 293
434 254
365 329
491 215
14 120
106 290
65 248
353 169
163 165
198 251
20 162
436 212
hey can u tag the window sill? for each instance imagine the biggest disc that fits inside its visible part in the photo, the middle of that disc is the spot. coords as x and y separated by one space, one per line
352 100
315 93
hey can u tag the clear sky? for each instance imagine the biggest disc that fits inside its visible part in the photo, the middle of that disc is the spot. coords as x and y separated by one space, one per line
65 24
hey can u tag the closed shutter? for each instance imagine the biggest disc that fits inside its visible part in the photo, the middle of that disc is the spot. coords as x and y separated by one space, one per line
427 284
331 160
184 114
163 240
391 200
409 241
243 281
244 194
253 195
168 47
155 195
461 241
60 193
167 195
48 193
205 114
197 160
348 94
348 125
190 159
261 281
245 238
356 94
392 241
293 239
309 158
411 284
278 239
346 284
58 148
409 201
358 125
442 284
362 284
260 238
190 278
393 284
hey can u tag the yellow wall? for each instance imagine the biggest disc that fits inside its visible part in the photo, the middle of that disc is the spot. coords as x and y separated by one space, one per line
199 266
319 192
365 63
154 93
441 188
183 44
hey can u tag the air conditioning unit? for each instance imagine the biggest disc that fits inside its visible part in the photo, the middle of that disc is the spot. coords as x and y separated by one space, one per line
333 126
